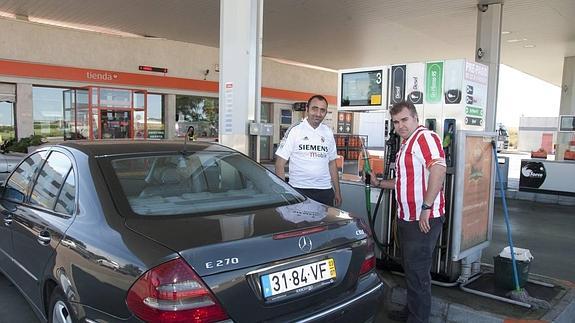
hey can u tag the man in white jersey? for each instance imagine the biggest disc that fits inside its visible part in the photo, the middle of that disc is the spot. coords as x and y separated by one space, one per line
420 172
310 148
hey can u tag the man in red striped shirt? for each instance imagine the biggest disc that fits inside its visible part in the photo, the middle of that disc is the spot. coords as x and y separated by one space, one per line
420 172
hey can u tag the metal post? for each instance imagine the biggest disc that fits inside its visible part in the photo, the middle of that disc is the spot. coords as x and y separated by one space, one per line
488 46
240 70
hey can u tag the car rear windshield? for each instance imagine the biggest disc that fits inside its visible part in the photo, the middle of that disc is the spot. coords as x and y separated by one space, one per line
198 182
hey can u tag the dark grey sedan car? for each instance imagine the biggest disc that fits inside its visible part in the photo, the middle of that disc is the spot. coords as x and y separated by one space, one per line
167 232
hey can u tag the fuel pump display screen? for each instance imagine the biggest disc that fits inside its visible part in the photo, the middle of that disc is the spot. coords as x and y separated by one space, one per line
362 88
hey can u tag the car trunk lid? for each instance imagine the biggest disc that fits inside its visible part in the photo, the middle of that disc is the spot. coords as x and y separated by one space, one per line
216 243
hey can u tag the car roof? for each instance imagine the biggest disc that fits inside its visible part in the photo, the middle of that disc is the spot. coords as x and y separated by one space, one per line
122 147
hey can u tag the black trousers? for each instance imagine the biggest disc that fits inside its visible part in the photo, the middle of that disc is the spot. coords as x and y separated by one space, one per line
324 196
417 252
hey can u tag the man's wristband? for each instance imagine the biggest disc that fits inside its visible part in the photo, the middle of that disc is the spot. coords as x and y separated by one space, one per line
426 207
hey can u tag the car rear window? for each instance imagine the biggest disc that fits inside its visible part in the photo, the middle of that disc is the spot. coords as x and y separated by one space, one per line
201 182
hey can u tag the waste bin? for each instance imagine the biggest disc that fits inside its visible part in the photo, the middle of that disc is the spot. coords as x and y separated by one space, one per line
503 268
503 164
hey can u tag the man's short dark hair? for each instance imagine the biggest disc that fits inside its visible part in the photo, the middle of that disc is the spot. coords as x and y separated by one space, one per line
399 106
319 97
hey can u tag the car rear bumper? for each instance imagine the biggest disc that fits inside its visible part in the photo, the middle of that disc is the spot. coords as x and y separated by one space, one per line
361 308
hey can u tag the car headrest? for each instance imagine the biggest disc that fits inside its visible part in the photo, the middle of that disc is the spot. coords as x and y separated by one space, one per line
170 176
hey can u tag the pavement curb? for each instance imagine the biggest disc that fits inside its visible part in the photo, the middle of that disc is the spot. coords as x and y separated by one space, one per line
564 312
444 311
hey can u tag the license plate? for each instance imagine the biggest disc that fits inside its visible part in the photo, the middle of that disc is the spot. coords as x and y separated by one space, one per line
298 279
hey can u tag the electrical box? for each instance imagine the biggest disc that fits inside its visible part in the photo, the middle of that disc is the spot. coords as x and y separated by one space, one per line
261 129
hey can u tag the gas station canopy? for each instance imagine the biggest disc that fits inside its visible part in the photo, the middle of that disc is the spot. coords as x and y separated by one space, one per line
337 34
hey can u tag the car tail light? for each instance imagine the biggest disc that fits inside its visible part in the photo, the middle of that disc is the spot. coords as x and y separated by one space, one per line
173 292
369 261
368 264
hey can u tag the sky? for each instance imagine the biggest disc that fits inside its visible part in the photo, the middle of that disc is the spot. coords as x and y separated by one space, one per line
521 94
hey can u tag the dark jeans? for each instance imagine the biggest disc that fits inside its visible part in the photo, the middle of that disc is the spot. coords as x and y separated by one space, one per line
417 252
324 196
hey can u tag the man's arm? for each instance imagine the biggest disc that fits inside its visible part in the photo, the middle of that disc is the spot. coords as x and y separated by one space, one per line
384 183
280 167
434 185
333 173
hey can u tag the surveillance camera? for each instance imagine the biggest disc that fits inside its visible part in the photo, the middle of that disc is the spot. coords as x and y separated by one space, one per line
480 53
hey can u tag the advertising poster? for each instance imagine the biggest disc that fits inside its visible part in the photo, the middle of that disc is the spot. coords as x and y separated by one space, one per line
433 82
415 76
547 176
397 84
476 191
453 73
475 96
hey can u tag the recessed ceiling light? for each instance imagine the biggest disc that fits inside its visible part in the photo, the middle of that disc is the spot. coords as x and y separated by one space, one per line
529 46
98 29
505 32
516 40
7 14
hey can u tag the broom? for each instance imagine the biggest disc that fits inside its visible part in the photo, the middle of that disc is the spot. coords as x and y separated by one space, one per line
518 294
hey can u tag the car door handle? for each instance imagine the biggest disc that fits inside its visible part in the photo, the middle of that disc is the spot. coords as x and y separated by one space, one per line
7 219
44 238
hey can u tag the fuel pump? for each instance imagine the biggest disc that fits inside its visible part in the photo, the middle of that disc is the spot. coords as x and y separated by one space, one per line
450 97
385 228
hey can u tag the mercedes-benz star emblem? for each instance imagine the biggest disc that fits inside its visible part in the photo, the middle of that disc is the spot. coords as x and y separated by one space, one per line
305 244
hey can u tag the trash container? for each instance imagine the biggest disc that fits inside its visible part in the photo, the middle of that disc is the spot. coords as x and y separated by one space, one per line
503 268
503 164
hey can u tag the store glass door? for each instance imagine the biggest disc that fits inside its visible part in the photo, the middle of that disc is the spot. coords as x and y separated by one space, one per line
76 125
116 124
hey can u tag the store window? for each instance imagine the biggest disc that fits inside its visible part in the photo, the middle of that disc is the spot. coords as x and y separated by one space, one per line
199 112
266 141
285 121
6 121
7 99
63 112
285 117
48 114
155 116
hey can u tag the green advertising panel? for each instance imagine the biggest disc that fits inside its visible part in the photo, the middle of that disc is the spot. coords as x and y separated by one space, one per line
434 82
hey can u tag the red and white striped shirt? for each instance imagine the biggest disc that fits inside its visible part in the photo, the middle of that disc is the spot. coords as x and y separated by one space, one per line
417 154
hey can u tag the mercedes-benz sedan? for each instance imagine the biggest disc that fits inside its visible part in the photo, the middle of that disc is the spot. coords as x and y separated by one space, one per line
168 232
